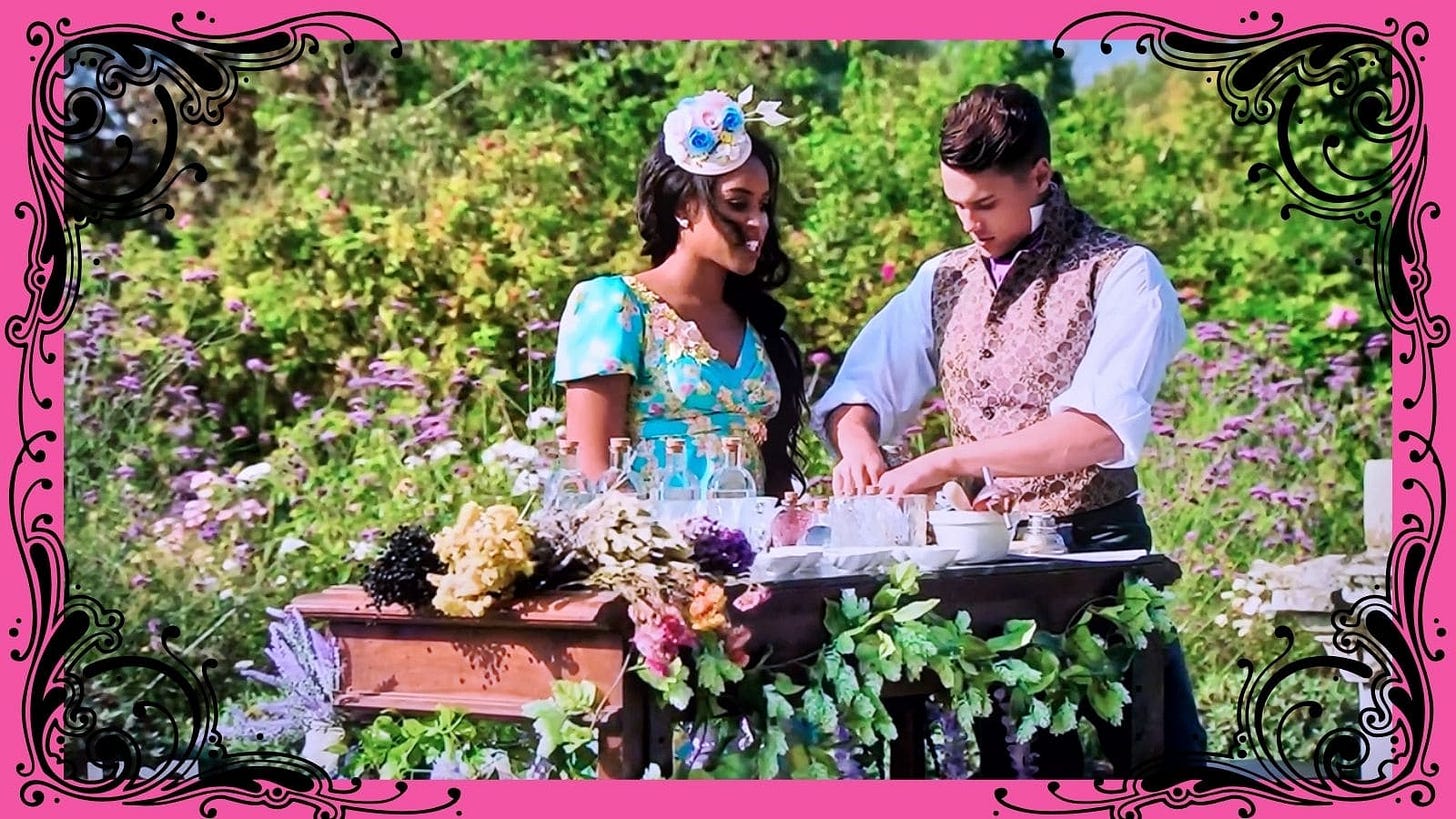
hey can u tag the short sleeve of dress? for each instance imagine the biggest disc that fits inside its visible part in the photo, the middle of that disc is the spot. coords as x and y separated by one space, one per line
601 331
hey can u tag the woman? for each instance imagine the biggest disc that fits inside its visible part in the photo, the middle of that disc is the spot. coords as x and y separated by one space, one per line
694 347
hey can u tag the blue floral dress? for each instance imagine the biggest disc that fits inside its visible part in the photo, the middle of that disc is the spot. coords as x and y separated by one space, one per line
681 386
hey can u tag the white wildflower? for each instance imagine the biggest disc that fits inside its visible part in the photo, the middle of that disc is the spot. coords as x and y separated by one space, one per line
443 450
541 417
254 473
290 545
510 451
526 483
361 550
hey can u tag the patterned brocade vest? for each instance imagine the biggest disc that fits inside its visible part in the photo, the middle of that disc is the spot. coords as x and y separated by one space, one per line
1003 354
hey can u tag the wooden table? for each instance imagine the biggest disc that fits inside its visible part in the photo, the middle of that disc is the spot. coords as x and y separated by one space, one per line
491 666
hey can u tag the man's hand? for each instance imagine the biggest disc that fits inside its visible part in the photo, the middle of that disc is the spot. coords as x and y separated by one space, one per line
925 474
853 430
859 469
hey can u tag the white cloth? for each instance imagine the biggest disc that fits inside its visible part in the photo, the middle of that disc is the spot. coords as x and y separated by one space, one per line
1137 330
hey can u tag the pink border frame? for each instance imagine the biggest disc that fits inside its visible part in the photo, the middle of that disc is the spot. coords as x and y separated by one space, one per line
430 19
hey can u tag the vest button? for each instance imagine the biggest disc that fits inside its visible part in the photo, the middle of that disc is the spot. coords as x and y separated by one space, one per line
988 412
985 352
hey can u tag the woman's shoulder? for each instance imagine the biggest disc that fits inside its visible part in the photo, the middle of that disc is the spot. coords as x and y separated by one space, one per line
602 283
604 290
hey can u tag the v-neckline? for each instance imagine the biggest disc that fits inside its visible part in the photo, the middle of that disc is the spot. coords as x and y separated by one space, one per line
636 285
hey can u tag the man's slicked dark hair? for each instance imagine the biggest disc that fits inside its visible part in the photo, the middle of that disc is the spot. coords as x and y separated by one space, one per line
995 127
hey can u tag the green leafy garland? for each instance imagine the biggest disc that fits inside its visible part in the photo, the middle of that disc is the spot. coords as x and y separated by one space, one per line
827 719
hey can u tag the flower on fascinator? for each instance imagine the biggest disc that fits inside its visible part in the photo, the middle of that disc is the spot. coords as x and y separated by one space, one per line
733 119
700 141
706 134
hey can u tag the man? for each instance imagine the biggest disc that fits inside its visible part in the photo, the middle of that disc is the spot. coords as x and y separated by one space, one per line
1049 336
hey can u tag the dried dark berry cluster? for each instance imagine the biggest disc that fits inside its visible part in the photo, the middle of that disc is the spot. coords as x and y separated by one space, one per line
400 574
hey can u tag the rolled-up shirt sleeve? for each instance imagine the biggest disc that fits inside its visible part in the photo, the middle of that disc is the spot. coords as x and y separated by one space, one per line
1137 331
889 365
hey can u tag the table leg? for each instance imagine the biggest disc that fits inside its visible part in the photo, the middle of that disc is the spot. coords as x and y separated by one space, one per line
622 743
1144 715
912 727
658 738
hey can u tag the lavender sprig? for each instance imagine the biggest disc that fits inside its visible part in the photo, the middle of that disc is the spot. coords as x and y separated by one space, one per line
952 752
307 676
1023 761
844 760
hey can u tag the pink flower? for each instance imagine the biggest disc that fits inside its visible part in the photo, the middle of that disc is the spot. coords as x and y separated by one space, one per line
710 117
752 598
887 272
819 358
736 645
1341 317
660 632
324 193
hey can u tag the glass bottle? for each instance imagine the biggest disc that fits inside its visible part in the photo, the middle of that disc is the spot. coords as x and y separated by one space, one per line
1042 537
791 523
619 476
568 488
675 492
818 532
730 481
677 484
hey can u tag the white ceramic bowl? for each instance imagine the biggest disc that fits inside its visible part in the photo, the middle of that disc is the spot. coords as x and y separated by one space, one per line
929 558
852 560
809 556
977 537
775 565
786 561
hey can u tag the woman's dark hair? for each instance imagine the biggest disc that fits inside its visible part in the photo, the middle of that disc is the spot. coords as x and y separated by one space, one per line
661 187
995 127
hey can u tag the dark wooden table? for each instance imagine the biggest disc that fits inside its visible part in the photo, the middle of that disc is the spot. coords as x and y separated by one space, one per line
491 666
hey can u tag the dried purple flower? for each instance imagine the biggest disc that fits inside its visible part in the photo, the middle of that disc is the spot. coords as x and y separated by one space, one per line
717 549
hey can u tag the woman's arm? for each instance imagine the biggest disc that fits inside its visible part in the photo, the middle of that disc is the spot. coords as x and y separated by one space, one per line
598 353
596 410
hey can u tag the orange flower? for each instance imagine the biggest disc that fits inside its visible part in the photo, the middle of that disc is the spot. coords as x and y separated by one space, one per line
706 612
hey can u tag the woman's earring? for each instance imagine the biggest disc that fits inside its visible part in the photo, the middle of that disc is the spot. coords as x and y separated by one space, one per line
681 222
